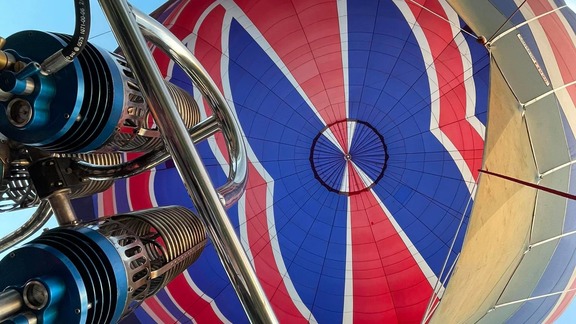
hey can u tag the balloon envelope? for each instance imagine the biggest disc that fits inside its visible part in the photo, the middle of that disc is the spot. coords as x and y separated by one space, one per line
364 123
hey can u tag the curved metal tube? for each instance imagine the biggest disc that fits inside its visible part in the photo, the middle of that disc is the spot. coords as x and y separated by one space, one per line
199 132
222 119
157 34
124 170
38 219
180 145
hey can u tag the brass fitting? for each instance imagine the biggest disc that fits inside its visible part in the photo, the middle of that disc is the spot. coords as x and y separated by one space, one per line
6 60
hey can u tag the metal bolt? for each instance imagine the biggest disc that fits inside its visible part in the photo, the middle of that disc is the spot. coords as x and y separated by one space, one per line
19 112
77 311
19 66
35 295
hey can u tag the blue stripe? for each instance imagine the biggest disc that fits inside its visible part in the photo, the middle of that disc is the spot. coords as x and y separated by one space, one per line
311 221
121 196
170 306
169 190
568 14
88 207
481 75
143 317
422 186
507 9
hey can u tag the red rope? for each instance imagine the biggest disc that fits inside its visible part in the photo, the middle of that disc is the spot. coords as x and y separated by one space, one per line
532 185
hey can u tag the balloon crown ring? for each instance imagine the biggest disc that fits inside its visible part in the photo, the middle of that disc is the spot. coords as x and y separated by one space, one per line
348 156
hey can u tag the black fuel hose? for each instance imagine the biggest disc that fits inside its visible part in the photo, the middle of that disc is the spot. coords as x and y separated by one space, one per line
81 31
60 59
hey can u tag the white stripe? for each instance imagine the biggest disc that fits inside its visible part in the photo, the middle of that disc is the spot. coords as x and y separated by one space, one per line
151 190
469 83
345 186
150 313
343 24
214 146
176 16
191 39
174 320
100 200
332 138
424 267
275 246
232 8
128 196
348 313
178 306
562 299
366 180
205 297
435 97
243 221
190 42
351 129
174 19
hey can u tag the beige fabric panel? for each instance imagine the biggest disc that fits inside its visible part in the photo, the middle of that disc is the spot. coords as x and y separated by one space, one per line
485 24
500 223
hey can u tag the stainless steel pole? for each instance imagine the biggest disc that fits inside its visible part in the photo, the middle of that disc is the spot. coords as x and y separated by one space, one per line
188 162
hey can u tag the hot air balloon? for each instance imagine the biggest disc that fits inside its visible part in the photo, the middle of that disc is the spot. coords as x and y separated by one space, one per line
365 124
408 161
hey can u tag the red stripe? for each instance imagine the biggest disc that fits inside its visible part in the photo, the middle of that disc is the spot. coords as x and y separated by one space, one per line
139 196
306 37
450 70
208 50
139 193
264 262
355 183
388 285
108 202
191 302
181 23
565 302
154 305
